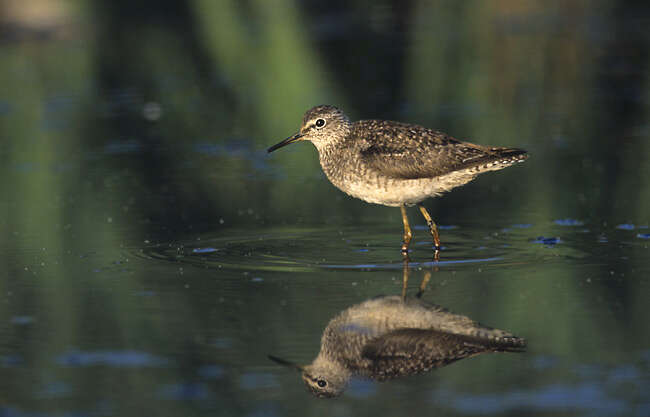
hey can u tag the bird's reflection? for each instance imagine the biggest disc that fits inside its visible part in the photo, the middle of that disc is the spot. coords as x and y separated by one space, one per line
394 336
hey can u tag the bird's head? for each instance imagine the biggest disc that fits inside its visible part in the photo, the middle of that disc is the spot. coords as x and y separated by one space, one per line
325 381
322 125
323 378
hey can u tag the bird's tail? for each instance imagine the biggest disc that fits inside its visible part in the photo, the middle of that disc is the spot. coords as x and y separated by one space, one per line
509 344
497 340
499 158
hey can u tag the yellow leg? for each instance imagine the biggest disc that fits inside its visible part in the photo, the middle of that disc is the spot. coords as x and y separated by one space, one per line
432 227
405 277
423 284
407 232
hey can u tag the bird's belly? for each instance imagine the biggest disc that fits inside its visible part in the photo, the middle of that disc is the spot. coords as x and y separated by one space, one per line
396 192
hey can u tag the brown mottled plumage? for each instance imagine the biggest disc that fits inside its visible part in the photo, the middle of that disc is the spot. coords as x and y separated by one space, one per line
387 337
393 163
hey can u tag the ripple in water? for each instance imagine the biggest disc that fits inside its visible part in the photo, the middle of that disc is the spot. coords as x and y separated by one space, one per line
304 250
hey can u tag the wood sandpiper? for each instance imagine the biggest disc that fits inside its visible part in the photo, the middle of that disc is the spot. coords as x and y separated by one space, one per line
395 164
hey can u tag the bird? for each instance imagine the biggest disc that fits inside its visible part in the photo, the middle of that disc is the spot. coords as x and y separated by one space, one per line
393 163
389 337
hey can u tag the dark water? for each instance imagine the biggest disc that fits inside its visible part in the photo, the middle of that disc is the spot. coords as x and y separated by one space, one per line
152 254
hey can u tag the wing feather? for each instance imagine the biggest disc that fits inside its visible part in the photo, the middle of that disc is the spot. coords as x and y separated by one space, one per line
404 151
408 351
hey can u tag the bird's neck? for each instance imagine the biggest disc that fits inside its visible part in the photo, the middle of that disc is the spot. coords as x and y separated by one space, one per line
327 152
330 365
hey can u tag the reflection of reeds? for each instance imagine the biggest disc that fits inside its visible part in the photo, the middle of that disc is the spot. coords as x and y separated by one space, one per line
267 56
55 224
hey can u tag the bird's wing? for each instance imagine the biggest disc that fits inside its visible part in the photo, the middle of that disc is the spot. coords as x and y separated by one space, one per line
405 151
408 351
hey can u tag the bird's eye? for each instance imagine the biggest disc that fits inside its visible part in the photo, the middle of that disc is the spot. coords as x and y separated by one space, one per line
320 123
321 383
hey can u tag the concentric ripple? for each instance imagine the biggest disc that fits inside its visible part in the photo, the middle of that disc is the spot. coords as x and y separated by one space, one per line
356 248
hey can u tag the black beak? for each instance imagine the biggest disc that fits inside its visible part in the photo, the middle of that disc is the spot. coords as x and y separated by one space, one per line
285 142
285 363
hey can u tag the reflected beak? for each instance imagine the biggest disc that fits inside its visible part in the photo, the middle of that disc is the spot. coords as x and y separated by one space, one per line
282 361
285 142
